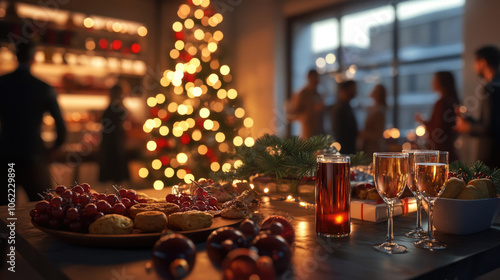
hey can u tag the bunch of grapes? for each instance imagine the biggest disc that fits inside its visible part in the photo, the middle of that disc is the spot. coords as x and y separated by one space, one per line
77 207
200 200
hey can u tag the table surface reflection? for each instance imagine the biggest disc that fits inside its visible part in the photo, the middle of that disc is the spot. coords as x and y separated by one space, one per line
313 257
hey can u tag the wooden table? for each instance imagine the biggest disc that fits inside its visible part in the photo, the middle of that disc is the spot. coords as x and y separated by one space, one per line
313 258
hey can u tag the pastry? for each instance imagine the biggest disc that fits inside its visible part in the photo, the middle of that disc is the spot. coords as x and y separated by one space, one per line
141 195
242 186
453 187
250 198
492 192
469 192
235 209
372 194
481 187
112 224
190 220
151 221
165 207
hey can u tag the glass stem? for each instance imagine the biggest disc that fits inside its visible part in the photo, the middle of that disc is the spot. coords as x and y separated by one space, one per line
419 212
431 216
390 228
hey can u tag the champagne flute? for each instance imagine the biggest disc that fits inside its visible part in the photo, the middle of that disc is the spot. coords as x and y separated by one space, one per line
418 232
391 172
431 173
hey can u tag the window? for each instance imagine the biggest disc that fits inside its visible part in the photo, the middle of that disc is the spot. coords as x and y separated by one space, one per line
399 46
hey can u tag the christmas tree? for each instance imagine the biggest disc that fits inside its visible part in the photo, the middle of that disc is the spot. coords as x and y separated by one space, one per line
198 120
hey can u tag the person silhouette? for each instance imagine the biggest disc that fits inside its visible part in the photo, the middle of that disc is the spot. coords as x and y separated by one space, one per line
24 100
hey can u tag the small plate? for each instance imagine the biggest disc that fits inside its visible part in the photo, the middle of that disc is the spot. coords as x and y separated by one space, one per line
133 240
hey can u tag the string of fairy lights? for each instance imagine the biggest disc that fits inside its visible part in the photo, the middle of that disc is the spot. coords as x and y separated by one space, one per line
197 124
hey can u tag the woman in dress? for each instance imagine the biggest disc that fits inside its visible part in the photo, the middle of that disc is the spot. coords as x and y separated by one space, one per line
372 136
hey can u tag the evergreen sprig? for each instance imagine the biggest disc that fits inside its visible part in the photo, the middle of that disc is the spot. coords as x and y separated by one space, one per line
275 157
475 170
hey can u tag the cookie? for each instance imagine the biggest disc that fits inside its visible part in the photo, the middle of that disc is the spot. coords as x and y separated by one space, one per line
151 221
112 224
190 220
167 208
453 187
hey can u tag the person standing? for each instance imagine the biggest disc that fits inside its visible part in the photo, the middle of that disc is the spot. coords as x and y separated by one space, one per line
307 107
372 136
344 126
113 160
440 127
487 126
24 100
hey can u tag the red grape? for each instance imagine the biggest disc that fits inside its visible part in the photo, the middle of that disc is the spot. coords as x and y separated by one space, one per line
212 200
33 212
275 247
201 205
99 215
68 194
76 197
132 195
174 256
56 202
72 213
60 189
170 198
126 202
48 197
55 223
66 221
86 187
78 189
194 207
186 204
44 218
142 200
42 206
122 192
103 206
84 199
111 199
57 212
221 241
185 198
119 208
101 196
200 193
90 209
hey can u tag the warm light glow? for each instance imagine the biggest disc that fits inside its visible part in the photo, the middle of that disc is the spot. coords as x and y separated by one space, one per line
406 146
213 78
205 3
151 146
224 147
199 14
218 35
156 164
320 62
88 22
177 131
212 47
181 173
249 142
420 131
143 172
191 123
151 102
214 166
238 141
220 137
179 45
160 98
224 70
163 131
339 219
231 94
387 134
266 190
197 91
226 167
182 158
189 178
238 163
248 122
158 185
239 112
221 93
182 109
90 44
142 31
169 172
395 133
202 149
183 11
208 124
199 34
197 2
157 122
204 113
117 27
172 107
189 23
196 135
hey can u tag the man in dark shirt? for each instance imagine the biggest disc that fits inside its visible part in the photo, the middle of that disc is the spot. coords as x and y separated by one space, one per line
344 126
23 101
487 126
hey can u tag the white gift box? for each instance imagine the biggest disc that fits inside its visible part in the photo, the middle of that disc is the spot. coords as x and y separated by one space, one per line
376 211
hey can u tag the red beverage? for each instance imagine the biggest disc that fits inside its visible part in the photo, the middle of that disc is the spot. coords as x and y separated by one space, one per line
333 196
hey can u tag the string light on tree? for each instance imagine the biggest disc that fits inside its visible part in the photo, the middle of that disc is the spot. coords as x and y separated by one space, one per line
197 121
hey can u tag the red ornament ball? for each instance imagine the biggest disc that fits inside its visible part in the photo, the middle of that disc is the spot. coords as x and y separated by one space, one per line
185 139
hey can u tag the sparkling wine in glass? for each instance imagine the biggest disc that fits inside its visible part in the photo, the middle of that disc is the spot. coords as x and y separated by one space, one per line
391 173
431 173
418 232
